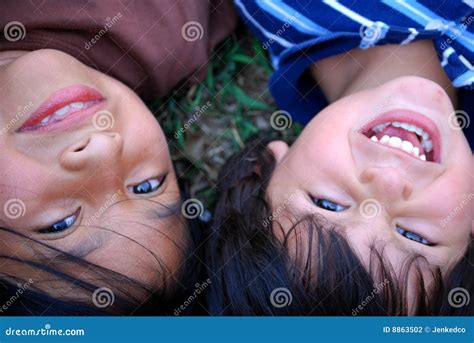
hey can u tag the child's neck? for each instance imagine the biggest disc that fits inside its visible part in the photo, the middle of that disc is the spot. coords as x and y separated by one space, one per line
359 69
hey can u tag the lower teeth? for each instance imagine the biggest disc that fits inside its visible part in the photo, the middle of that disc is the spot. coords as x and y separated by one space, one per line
398 143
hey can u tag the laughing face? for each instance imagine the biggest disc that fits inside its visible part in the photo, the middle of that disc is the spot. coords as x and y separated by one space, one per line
85 169
387 167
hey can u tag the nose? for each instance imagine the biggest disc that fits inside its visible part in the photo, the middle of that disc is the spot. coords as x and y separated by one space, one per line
387 183
92 151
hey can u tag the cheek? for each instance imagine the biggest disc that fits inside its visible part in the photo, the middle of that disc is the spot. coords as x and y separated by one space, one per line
21 183
322 155
326 139
142 132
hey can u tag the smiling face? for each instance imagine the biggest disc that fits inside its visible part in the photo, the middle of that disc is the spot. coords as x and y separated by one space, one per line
85 169
379 189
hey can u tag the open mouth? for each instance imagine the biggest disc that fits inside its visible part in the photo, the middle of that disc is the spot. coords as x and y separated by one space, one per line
64 107
415 136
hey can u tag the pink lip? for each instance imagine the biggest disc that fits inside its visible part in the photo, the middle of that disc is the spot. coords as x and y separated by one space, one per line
75 93
410 117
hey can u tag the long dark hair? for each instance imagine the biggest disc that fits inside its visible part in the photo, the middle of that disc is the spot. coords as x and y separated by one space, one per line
255 273
84 288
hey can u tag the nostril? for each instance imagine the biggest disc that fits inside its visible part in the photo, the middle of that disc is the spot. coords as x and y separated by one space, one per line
79 149
81 146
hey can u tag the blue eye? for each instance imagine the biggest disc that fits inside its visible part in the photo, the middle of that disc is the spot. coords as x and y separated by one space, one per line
147 186
412 236
61 225
329 205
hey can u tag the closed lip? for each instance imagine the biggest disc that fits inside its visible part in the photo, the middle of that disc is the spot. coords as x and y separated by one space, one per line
410 117
91 99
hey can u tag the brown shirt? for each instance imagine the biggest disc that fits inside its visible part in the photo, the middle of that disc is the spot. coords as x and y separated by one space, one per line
152 46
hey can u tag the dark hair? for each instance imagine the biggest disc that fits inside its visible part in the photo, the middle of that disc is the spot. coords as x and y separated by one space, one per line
255 273
89 284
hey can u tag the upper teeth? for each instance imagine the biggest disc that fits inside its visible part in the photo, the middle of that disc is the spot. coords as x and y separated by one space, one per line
63 111
406 146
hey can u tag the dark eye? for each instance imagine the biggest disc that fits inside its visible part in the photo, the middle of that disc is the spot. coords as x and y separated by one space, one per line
329 205
147 186
412 236
62 224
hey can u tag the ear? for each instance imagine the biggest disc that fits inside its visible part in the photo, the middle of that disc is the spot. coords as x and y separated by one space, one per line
278 149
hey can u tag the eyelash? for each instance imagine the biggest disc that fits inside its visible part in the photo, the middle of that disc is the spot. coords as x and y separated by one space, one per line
66 223
323 203
154 183
61 225
412 236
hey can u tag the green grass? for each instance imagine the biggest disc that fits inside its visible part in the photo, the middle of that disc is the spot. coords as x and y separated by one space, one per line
241 106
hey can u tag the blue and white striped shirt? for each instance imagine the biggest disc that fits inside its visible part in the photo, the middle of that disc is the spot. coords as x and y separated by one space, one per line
298 33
